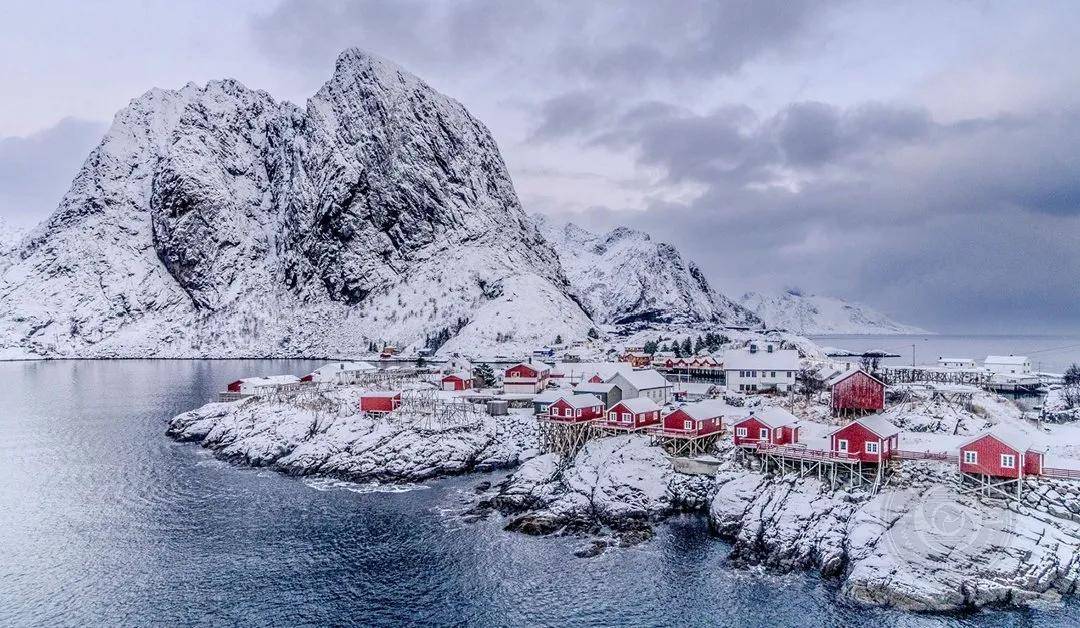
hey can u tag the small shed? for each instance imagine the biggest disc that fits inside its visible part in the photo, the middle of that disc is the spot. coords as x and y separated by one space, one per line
380 401
866 439
856 392
770 424
576 408
458 380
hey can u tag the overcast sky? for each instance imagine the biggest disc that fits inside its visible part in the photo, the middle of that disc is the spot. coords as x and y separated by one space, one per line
923 158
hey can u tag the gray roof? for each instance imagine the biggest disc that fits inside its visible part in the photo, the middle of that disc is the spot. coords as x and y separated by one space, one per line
645 379
710 408
876 424
589 387
637 405
780 360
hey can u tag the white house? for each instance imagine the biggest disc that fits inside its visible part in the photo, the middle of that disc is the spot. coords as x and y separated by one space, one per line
1008 364
752 369
956 363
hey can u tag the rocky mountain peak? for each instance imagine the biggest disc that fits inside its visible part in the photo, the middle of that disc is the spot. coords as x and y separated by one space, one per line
215 220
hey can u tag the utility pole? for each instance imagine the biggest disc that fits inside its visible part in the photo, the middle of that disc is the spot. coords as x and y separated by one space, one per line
912 355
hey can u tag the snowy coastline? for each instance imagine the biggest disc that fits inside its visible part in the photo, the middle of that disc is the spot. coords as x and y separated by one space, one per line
916 545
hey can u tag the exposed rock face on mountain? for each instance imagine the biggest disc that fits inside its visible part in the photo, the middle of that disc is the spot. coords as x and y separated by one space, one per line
813 314
626 277
214 221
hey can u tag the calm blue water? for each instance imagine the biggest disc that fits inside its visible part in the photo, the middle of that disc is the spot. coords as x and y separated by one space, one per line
1048 353
104 521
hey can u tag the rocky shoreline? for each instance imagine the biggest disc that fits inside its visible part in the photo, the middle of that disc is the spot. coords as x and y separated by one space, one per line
917 545
324 434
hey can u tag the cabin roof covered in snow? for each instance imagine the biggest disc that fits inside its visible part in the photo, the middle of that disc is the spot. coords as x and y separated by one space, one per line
581 401
1006 359
637 405
549 395
876 424
710 408
460 374
1015 439
839 377
956 359
780 360
773 416
380 393
536 366
343 367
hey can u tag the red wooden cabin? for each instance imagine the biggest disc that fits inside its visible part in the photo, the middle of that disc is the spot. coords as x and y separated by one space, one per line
867 439
380 401
576 408
1000 453
460 380
699 419
633 414
767 425
857 391
526 378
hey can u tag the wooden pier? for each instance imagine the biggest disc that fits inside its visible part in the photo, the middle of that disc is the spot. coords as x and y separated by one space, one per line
838 469
678 444
563 437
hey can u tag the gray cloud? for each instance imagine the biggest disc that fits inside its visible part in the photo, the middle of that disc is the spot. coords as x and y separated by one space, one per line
36 170
976 221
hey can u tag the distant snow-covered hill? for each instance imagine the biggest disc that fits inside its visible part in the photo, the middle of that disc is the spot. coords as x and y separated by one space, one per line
813 314
214 221
623 276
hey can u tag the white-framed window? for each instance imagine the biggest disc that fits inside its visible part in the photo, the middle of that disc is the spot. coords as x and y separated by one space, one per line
871 448
971 457
688 425
579 412
626 417
740 431
613 416
841 445
773 374
1008 461
763 433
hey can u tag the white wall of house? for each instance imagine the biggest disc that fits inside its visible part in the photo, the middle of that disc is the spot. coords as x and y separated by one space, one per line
749 380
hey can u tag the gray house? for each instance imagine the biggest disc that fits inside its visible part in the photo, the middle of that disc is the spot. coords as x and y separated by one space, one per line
608 392
647 383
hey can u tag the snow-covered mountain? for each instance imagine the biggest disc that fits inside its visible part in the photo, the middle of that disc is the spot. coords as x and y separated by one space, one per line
623 276
215 221
813 314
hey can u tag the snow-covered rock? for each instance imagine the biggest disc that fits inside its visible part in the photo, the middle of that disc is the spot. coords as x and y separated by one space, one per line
623 276
213 221
618 482
324 434
814 314
916 545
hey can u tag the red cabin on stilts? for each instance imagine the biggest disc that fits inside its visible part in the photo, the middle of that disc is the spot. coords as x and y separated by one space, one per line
1000 453
576 409
867 439
767 425
632 414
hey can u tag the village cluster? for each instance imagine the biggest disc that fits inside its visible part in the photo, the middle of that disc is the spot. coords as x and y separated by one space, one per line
681 405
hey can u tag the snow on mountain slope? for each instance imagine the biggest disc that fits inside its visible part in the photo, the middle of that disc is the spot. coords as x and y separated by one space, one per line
213 221
9 239
623 276
813 314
